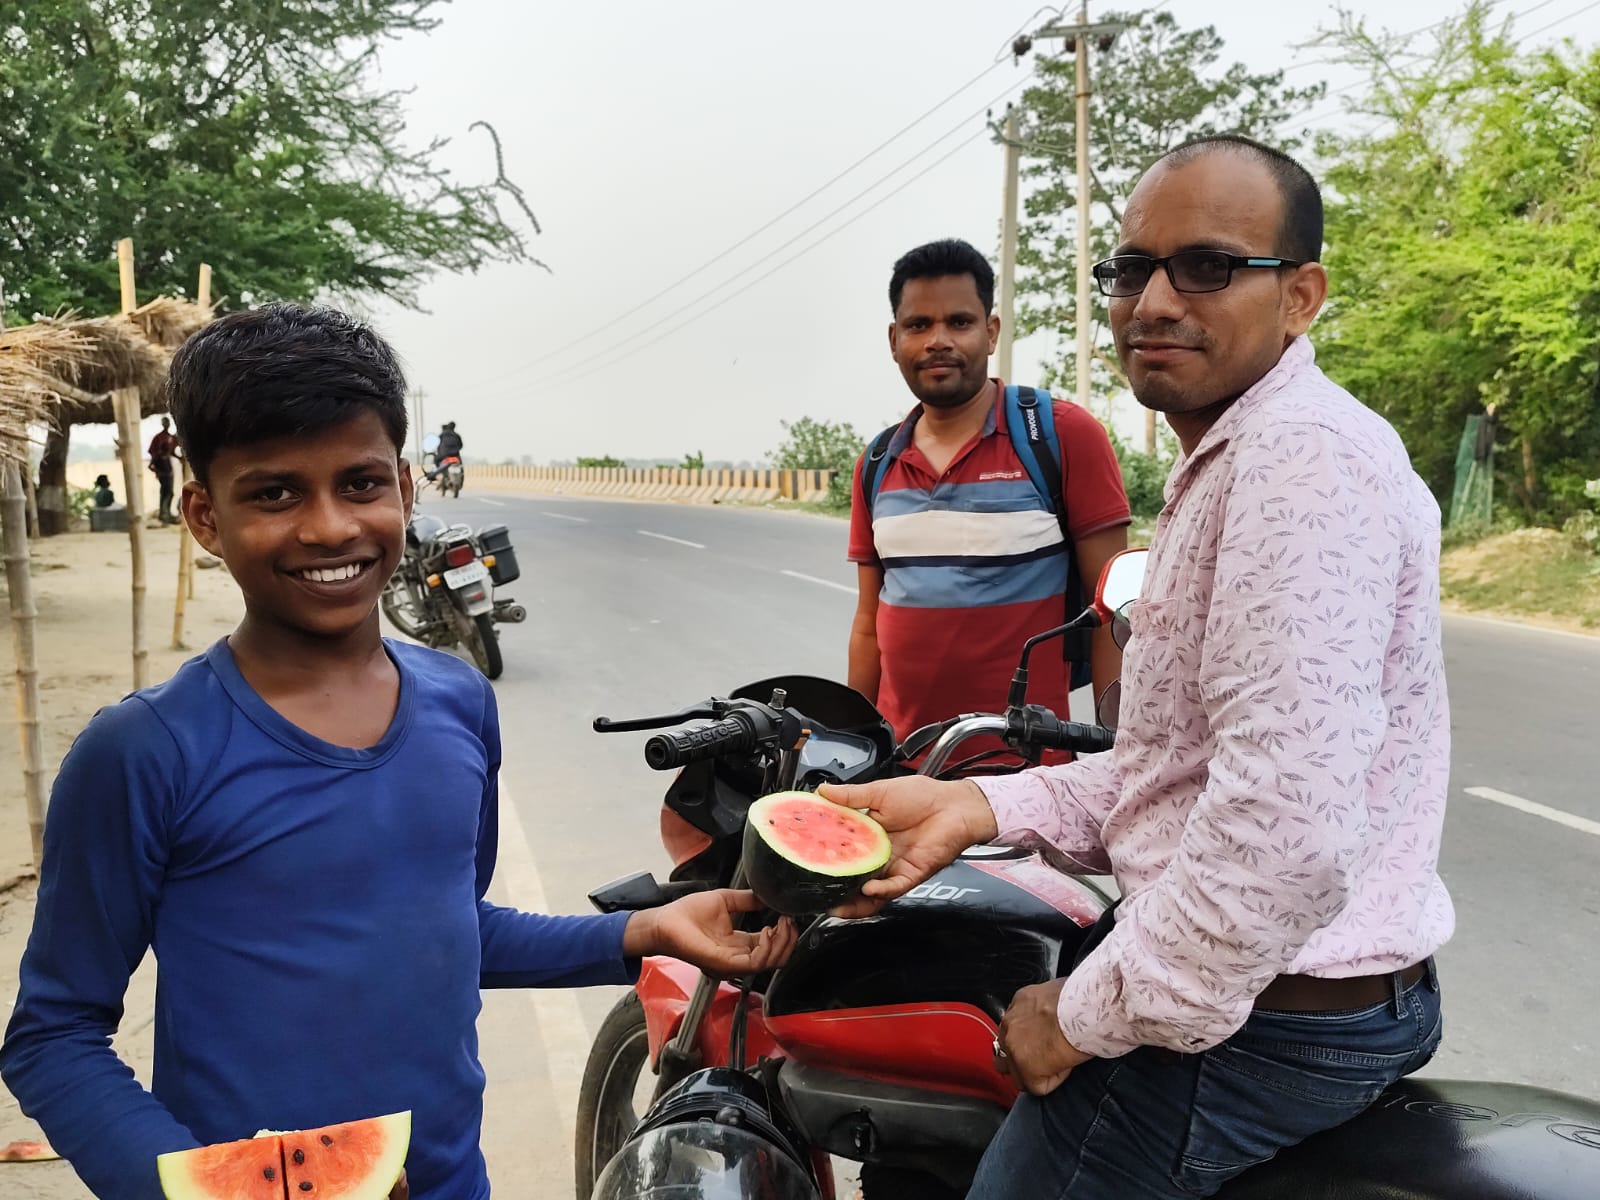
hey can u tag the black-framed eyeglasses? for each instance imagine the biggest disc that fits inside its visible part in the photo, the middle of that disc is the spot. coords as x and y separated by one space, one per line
1188 270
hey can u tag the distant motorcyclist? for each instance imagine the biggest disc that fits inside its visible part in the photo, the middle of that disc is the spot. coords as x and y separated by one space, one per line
446 455
449 443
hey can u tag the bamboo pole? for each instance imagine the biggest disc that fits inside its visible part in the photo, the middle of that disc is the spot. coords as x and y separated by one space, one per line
125 404
14 500
185 566
130 300
202 296
19 583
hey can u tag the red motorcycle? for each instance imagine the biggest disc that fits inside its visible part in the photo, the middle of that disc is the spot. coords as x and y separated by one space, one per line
876 1039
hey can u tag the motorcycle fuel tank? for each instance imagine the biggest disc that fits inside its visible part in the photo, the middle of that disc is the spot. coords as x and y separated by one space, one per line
996 920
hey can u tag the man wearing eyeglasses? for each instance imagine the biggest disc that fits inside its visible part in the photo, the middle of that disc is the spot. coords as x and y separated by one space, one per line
1272 809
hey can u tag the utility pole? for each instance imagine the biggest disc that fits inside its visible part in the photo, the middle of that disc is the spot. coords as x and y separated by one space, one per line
1078 37
1008 248
421 395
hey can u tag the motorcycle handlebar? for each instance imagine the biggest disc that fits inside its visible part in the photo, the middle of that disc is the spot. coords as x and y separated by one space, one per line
1074 736
733 734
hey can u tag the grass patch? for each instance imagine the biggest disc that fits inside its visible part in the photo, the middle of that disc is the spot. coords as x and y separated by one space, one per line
1528 574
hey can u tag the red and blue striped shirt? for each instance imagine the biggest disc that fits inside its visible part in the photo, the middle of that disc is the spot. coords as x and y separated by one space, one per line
974 564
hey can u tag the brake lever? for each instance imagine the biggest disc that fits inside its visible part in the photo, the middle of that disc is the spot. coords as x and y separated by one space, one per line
707 711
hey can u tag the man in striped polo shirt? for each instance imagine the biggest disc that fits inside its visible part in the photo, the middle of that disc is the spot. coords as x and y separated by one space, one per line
960 557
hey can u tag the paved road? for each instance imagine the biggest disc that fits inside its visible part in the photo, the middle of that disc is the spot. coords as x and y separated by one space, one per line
637 608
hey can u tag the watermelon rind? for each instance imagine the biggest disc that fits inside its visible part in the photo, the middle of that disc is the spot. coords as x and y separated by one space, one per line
787 881
362 1160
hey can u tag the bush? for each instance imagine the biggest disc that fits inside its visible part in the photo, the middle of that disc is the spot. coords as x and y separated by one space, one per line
1584 528
811 445
1144 476
605 461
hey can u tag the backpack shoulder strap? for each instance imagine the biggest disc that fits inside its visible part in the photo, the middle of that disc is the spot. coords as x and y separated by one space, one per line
877 459
1031 422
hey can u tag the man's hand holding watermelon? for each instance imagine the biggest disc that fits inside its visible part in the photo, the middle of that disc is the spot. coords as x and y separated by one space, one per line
699 929
929 823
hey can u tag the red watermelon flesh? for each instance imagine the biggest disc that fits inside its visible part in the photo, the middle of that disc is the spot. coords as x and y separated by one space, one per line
247 1170
804 855
358 1160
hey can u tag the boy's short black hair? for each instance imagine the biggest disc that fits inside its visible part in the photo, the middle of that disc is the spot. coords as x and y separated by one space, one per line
1301 235
948 256
284 370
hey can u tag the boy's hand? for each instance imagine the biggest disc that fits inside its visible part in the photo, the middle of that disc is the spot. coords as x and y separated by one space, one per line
699 929
401 1189
929 822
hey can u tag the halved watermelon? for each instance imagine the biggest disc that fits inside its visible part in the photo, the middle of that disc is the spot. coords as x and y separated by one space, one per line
804 855
358 1160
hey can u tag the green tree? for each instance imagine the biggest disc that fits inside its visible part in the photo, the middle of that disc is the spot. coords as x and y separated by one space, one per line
1464 244
252 136
812 445
601 461
1157 86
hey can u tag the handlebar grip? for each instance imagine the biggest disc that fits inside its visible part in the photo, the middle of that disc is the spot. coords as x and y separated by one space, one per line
730 735
1077 737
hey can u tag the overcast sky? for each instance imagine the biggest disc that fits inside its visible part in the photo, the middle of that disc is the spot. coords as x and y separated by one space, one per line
652 137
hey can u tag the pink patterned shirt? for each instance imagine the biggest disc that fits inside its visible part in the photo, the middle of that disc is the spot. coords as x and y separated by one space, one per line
1276 795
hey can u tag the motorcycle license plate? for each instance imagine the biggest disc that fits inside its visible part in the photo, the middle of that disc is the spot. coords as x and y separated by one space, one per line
460 577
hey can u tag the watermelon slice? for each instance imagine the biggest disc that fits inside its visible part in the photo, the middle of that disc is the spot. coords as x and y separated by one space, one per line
247 1170
804 855
358 1160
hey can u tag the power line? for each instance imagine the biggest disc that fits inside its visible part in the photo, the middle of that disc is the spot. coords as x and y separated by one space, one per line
731 296
1322 118
1561 20
523 368
1405 37
749 237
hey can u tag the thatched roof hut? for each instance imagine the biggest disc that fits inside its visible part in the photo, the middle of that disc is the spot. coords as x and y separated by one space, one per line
61 371
73 364
32 360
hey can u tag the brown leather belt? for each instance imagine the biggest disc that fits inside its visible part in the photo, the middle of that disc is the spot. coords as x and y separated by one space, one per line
1312 993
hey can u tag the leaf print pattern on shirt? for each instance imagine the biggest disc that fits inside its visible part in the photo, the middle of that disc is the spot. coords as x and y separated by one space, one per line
1276 796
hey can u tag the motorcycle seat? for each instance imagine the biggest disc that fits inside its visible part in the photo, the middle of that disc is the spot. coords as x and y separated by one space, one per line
1438 1139
424 529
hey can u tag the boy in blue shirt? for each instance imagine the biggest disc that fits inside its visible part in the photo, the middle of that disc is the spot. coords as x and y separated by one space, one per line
302 822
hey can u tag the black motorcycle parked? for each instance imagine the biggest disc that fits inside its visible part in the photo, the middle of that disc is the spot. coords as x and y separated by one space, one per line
442 594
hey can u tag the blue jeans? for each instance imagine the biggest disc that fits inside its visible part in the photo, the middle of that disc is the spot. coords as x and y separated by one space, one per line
1154 1124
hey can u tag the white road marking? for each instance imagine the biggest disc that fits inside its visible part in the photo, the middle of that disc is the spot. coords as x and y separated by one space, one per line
668 538
1535 809
827 583
496 503
564 517
561 1026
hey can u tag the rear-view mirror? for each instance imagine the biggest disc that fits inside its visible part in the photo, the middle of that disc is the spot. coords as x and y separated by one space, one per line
1120 582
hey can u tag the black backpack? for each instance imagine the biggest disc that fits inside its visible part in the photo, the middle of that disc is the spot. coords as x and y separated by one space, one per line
1031 423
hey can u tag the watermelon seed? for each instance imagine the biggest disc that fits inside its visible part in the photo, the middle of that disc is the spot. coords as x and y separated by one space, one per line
326 1140
299 1157
305 1186
269 1173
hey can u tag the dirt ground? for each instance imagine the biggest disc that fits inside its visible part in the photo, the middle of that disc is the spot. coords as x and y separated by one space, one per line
82 587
